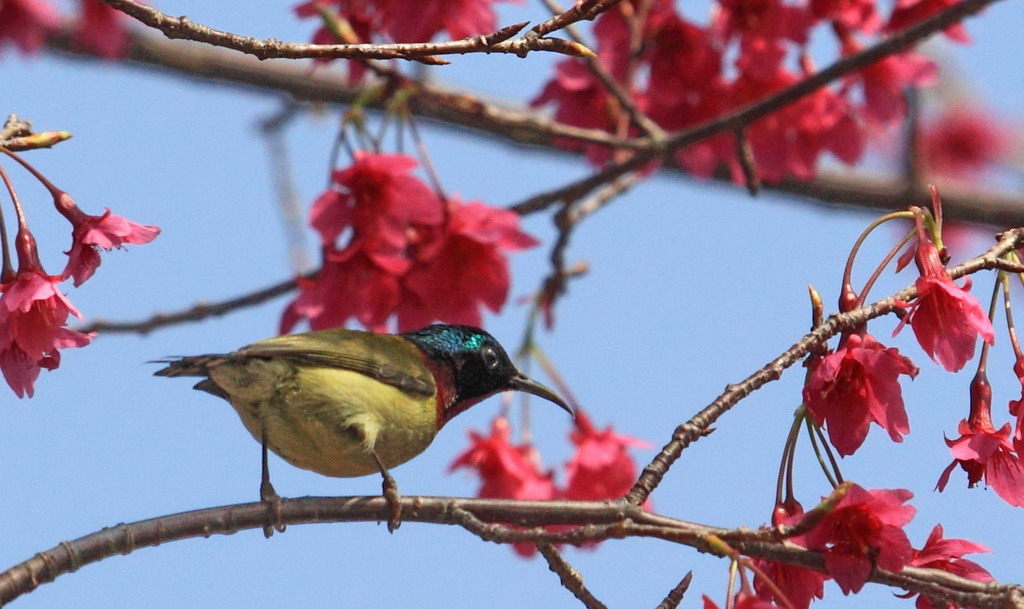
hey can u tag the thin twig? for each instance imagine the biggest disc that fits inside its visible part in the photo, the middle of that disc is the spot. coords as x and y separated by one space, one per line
14 127
196 312
581 11
271 48
675 595
616 89
288 204
570 577
566 221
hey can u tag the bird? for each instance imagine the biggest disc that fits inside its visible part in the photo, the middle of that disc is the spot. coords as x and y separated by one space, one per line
348 403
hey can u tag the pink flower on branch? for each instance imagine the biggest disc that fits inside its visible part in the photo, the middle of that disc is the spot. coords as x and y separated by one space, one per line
33 316
615 28
27 23
946 319
863 530
392 247
883 83
464 269
908 12
379 199
89 233
790 141
860 15
800 585
92 233
580 100
348 285
984 452
963 142
420 21
947 555
101 29
602 467
743 600
856 385
403 21
506 470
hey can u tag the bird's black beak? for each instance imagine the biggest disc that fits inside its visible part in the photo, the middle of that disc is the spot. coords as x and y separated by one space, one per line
522 383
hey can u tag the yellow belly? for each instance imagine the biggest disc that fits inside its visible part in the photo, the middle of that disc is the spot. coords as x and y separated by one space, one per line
328 419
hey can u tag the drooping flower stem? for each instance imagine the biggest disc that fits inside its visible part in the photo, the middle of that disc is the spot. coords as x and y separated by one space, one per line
549 369
814 434
881 267
993 303
61 200
848 271
730 598
1004 281
767 581
24 242
788 452
7 270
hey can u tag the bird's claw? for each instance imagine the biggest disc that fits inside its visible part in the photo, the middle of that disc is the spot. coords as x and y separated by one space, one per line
273 501
394 501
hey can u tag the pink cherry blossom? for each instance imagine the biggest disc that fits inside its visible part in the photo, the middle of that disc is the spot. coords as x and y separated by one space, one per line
908 12
27 23
506 470
108 231
946 554
467 268
856 385
863 530
946 319
378 198
602 467
101 29
963 142
33 315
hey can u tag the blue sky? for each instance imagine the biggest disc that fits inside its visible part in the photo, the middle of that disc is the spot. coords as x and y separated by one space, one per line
692 286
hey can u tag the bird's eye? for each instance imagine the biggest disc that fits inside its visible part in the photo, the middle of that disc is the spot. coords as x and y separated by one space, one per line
491 359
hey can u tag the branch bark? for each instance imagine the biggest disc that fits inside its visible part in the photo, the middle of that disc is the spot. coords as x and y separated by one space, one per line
962 201
613 520
426 52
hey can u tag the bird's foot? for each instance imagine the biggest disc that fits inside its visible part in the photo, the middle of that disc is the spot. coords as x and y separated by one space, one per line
273 501
394 501
391 495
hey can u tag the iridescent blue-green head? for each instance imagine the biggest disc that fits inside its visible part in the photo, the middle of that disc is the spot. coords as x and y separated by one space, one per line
479 365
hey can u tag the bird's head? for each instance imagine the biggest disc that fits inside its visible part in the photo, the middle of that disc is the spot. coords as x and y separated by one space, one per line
480 366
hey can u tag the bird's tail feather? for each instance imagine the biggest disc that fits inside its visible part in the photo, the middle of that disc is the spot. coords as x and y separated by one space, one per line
193 365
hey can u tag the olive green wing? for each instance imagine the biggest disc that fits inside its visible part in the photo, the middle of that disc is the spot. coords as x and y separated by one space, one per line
387 358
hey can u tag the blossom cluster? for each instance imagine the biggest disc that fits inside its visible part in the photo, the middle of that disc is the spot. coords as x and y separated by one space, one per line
33 310
862 531
857 384
600 469
392 246
97 28
691 80
681 73
401 21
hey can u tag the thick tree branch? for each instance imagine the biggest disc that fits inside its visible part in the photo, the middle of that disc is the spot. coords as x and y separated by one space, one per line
600 520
